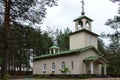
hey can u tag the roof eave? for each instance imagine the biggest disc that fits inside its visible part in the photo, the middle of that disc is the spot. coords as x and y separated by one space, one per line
83 30
94 59
68 52
81 17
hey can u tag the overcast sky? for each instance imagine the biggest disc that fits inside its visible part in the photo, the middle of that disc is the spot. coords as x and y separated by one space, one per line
62 16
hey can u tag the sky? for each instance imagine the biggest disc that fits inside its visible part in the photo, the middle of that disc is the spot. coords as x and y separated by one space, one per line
62 16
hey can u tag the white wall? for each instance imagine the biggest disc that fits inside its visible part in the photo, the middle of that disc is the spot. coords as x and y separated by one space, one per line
38 64
82 39
77 58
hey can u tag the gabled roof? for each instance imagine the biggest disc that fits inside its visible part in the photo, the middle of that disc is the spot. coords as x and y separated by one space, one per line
81 17
84 30
67 53
93 58
54 47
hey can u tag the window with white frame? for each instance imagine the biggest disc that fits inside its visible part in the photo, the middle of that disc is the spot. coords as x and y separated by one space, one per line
53 66
44 67
72 65
63 64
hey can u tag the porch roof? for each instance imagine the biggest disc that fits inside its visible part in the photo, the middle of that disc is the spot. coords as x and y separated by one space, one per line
93 58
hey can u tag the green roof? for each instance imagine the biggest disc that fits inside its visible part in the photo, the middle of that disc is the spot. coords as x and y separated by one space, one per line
54 47
82 16
93 58
67 52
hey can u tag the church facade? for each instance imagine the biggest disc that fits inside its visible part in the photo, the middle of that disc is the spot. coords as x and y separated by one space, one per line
82 58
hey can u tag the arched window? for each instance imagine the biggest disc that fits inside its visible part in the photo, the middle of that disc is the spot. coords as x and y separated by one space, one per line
63 65
53 66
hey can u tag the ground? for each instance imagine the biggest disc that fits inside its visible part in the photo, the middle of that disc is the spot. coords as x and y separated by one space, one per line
70 79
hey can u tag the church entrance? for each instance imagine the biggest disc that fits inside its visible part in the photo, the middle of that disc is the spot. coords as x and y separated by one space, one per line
97 66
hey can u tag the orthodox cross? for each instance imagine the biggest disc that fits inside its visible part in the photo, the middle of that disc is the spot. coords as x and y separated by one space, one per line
82 7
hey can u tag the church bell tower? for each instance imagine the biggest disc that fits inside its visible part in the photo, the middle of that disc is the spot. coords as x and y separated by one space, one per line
83 35
83 22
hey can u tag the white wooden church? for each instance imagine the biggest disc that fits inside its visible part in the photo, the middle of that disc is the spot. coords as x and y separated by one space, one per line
82 58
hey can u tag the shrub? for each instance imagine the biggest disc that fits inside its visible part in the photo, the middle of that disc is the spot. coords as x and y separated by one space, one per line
64 70
83 76
5 77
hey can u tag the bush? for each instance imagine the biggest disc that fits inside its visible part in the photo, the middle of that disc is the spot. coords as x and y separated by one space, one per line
5 77
65 76
83 76
64 70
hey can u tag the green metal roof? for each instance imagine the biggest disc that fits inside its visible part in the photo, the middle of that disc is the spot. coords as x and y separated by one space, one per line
82 16
67 53
92 58
54 47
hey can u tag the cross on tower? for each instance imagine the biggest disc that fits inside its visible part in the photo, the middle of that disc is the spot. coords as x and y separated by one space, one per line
82 7
83 22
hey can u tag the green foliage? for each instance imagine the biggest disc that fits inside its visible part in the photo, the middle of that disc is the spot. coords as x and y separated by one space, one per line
62 39
114 64
25 11
84 76
114 38
102 47
0 61
1 44
64 70
25 41
64 76
28 11
38 76
47 42
113 48
6 77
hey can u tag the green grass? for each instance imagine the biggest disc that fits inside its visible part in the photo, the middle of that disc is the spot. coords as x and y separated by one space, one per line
42 79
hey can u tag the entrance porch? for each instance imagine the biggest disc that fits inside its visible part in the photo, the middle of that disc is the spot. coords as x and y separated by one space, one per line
94 64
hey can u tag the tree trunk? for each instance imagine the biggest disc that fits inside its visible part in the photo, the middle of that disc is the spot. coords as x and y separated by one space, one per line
6 35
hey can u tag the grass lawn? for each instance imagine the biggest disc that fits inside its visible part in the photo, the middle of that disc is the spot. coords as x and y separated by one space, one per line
70 79
44 79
